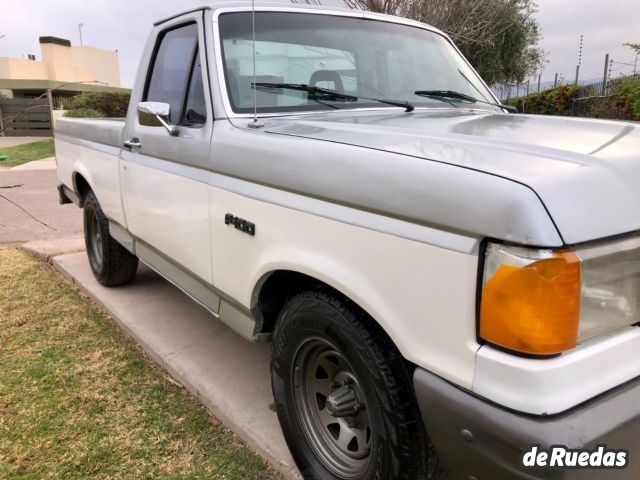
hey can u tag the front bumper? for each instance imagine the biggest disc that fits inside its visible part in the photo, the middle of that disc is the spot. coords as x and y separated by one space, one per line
479 440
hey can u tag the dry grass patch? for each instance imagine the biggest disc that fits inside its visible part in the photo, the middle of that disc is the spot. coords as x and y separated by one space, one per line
79 400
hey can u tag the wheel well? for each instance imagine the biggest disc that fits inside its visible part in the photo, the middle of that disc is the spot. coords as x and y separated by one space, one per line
275 291
81 185
282 285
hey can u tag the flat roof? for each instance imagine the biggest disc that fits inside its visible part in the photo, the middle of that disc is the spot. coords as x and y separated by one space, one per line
26 84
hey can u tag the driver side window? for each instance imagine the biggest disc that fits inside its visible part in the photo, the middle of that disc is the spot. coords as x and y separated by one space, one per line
176 76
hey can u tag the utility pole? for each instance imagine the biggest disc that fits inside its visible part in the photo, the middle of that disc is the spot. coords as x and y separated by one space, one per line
579 60
555 82
606 75
528 83
539 79
80 25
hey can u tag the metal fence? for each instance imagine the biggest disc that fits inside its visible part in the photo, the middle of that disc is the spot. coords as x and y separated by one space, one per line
61 102
35 122
599 96
603 89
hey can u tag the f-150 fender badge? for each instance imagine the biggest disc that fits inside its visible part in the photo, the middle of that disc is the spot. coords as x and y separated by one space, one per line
240 224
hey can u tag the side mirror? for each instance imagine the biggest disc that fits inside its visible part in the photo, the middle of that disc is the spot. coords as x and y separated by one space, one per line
156 114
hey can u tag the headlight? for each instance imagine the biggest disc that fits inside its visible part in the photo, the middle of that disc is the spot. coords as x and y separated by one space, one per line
544 302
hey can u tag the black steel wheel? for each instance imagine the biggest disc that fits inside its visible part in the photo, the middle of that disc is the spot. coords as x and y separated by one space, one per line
94 238
333 408
110 262
344 395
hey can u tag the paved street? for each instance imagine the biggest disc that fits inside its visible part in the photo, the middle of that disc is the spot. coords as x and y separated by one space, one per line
29 207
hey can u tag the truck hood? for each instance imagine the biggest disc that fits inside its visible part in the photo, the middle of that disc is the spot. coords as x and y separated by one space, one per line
586 172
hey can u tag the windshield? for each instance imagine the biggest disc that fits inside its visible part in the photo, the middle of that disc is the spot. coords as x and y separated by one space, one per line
351 55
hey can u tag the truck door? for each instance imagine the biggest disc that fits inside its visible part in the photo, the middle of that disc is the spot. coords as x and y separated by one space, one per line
164 177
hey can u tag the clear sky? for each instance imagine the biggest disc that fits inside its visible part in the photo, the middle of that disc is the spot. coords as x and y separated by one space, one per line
123 25
606 25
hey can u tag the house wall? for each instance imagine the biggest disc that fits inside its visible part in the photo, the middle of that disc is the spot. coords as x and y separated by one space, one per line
65 64
21 68
104 65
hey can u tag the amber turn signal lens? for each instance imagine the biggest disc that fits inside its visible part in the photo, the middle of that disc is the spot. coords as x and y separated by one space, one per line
535 308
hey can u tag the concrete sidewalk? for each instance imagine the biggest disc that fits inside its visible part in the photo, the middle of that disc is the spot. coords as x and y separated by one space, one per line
229 375
13 141
44 164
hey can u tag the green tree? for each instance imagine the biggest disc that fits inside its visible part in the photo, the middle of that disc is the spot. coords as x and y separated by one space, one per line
498 37
633 46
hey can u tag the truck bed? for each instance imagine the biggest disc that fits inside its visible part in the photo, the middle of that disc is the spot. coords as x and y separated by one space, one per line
106 131
88 150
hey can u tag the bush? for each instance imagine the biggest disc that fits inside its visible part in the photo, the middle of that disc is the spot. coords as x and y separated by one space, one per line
623 104
105 104
554 101
84 113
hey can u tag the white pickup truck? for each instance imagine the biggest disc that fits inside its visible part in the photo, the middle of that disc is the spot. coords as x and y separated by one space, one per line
446 284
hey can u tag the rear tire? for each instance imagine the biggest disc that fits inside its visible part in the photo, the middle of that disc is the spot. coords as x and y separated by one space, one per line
344 395
111 263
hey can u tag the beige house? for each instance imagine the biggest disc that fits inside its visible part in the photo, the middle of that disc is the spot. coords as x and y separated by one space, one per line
61 62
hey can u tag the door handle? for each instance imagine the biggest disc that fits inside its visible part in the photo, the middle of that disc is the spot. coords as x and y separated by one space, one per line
132 144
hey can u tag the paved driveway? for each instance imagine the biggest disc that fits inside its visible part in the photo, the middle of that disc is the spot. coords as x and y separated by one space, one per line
29 208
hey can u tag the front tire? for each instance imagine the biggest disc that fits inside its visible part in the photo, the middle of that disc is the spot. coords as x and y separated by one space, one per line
110 262
344 394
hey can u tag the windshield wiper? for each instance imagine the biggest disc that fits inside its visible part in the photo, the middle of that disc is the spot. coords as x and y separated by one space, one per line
442 94
325 92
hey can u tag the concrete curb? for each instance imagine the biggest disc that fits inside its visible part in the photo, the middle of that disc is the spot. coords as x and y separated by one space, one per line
223 371
48 163
47 249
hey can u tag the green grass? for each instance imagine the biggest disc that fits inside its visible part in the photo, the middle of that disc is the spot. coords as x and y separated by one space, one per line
78 399
27 152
